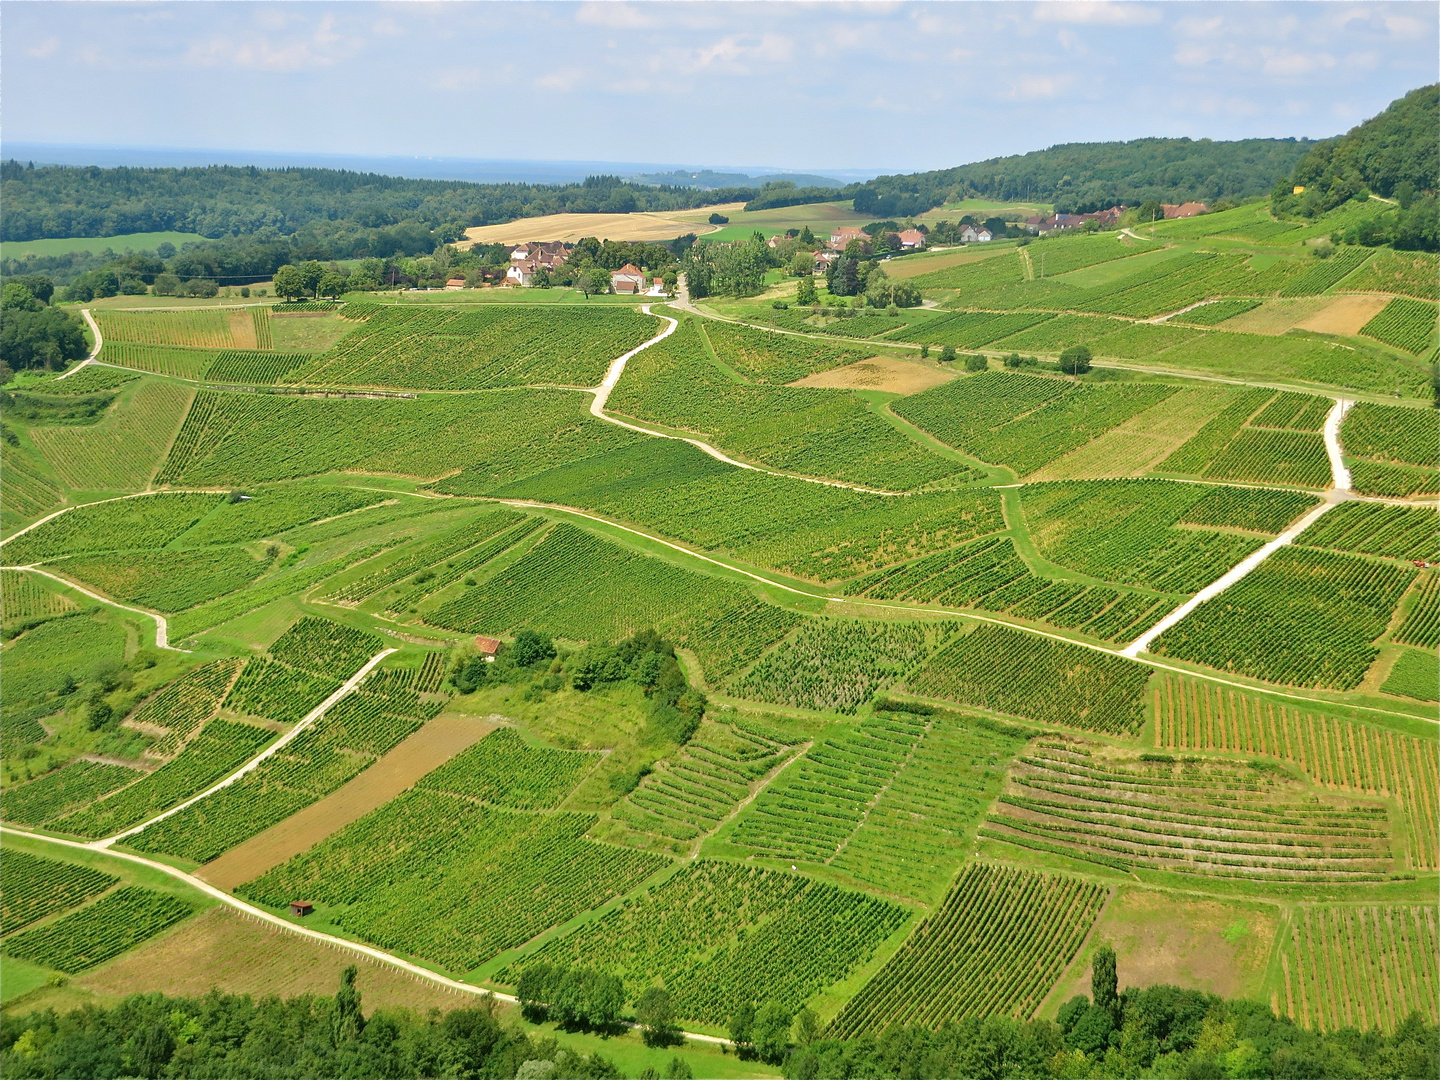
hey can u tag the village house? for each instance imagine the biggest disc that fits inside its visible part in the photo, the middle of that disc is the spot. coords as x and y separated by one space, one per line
911 239
455 283
522 273
774 241
975 234
657 287
628 279
487 646
1184 210
844 234
823 259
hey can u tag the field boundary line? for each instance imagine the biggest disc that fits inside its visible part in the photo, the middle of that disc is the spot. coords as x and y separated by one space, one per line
308 720
304 931
162 628
617 368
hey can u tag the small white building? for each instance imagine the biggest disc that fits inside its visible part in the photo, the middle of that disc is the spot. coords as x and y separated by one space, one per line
975 234
628 279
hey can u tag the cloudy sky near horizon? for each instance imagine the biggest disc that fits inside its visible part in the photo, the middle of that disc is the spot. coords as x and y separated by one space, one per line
883 86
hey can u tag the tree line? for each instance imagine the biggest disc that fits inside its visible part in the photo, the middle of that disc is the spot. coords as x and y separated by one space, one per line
1159 1031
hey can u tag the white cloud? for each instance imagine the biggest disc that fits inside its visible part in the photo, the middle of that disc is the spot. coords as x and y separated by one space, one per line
734 51
325 46
1403 26
44 50
1038 87
561 80
612 13
1097 13
1291 64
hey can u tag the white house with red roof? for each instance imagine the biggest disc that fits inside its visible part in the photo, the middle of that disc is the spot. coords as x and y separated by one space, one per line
628 279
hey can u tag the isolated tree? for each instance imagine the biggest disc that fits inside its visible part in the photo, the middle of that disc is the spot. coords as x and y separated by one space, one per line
1104 983
771 1031
947 354
289 282
656 1013
349 1020
1013 360
1075 360
806 1027
742 1027
332 284
924 352
531 647
312 273
976 362
805 292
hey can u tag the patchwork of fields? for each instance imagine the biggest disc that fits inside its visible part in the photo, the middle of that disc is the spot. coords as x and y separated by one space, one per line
851 730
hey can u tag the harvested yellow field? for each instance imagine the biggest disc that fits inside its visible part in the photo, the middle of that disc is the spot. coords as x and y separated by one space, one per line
1345 314
885 373
1275 317
1143 441
915 265
572 227
226 951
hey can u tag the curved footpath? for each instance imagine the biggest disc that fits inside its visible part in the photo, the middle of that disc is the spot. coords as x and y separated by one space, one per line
94 350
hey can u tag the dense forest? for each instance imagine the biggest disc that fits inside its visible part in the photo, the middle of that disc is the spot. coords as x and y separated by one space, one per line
1161 1031
1395 155
221 200
1082 177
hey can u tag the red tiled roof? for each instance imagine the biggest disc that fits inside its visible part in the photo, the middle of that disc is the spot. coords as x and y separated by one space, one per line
487 645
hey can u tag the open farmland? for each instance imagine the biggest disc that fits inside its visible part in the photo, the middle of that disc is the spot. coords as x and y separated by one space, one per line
857 730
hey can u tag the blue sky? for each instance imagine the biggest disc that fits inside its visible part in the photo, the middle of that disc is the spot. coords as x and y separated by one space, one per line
880 86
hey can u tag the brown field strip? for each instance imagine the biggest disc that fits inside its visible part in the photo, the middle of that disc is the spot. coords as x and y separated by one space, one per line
1345 315
429 748
571 227
879 373
229 952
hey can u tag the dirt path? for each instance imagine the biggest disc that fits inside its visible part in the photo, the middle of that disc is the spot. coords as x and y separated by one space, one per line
306 721
304 931
94 352
617 368
1339 492
162 628
429 748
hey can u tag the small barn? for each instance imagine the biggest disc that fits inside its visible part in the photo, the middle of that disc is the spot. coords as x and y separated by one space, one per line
487 646
301 907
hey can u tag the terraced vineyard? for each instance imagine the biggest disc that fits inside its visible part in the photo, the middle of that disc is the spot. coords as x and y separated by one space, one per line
1214 819
1406 324
1340 754
68 788
182 706
123 450
1421 625
996 945
703 784
206 328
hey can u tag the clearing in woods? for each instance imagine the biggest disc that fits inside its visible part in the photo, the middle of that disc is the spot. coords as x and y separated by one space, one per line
429 748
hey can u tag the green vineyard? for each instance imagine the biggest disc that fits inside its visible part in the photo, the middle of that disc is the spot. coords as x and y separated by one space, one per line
996 945
32 888
504 769
100 931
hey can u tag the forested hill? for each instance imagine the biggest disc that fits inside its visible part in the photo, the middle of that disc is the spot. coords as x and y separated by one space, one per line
1081 177
221 200
1395 154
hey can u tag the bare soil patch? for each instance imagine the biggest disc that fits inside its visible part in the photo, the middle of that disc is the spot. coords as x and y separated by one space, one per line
571 227
879 373
1345 315
915 265
429 748
238 955
1219 946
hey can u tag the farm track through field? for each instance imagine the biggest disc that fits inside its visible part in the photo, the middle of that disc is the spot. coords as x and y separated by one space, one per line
1339 492
304 931
162 628
94 351
617 368
308 720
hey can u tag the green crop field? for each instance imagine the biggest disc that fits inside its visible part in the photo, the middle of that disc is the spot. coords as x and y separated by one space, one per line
505 770
494 878
120 525
500 345
100 931
122 451
1037 679
1406 324
1415 674
1401 532
34 888
826 433
56 793
167 580
347 739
